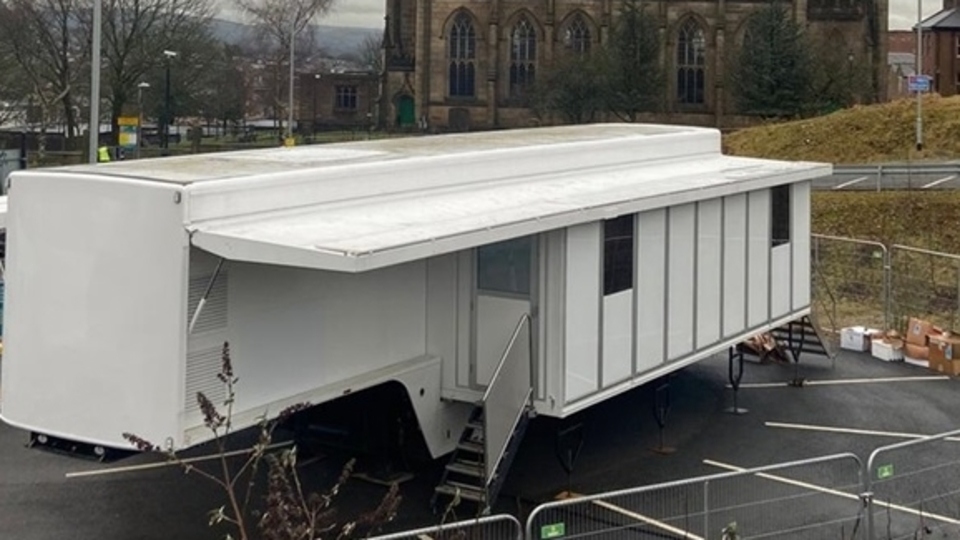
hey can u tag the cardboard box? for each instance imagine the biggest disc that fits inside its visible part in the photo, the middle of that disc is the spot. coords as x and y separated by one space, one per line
944 348
916 352
888 350
918 331
856 338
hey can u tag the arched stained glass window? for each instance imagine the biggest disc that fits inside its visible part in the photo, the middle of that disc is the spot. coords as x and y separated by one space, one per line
462 54
691 63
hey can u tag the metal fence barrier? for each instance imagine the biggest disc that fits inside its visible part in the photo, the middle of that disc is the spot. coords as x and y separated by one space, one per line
850 282
865 283
906 490
915 489
499 527
925 284
815 498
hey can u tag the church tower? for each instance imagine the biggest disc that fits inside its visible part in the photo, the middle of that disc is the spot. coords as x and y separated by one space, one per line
398 105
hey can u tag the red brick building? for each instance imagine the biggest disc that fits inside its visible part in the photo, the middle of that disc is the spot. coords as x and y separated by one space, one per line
337 100
941 48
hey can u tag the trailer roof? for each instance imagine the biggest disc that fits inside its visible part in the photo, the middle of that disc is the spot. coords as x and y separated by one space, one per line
190 169
358 206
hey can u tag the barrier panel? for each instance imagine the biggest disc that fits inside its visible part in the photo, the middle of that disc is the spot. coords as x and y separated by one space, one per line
924 284
915 488
499 527
815 498
850 282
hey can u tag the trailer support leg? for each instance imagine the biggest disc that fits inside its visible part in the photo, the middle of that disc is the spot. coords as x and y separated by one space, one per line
203 299
735 356
661 407
569 445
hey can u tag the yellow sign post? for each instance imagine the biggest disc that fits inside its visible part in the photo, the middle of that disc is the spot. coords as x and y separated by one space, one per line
128 131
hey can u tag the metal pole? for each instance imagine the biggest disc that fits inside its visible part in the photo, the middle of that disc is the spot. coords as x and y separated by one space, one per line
165 141
919 74
293 37
139 119
94 128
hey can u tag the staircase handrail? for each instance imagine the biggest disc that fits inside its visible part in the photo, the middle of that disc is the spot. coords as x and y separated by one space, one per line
525 318
524 322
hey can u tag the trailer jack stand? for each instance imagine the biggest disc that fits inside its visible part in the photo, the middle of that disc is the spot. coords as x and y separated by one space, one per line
735 355
661 407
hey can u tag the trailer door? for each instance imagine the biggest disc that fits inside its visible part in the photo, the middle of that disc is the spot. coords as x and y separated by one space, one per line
504 290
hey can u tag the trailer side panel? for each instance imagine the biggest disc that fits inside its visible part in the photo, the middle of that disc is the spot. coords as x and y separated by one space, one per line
95 308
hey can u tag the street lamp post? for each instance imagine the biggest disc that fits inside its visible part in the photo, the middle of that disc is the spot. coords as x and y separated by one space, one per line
293 43
94 128
165 141
140 89
919 74
316 90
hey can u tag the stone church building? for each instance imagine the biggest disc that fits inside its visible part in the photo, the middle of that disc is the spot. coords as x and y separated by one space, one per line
463 64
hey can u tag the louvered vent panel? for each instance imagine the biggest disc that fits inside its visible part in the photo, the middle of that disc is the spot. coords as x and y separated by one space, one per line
202 368
214 314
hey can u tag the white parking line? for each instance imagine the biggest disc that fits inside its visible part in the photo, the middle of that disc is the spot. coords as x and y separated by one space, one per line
848 381
851 431
940 181
639 517
649 521
813 487
852 182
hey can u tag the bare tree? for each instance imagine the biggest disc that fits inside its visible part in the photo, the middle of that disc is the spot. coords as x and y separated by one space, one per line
278 24
12 90
371 53
41 38
135 35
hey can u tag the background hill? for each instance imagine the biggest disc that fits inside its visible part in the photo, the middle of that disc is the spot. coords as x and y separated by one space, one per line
334 40
868 134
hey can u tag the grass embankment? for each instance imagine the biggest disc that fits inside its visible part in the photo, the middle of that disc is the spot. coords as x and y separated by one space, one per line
850 277
868 134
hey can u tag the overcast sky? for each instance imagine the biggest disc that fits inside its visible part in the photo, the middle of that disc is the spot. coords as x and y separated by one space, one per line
369 13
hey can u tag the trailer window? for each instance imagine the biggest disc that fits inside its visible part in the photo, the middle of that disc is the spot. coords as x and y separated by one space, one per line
618 254
505 267
780 215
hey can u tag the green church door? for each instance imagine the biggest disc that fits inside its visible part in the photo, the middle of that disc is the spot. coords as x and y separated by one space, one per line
406 115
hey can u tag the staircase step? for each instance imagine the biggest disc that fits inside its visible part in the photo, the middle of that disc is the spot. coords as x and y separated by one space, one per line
467 468
475 424
470 446
471 493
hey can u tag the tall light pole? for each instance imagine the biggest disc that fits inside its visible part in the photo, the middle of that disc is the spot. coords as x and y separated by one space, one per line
920 74
140 89
316 90
165 140
94 128
293 42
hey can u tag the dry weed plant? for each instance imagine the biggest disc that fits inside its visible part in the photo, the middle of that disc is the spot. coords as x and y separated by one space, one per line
289 512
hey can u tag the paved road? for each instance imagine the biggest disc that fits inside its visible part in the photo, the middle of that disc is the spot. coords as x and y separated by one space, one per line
947 178
38 503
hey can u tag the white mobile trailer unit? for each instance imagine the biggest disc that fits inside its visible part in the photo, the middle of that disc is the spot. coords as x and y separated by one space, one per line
338 267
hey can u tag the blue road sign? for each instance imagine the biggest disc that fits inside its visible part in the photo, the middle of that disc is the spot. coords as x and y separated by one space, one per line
918 83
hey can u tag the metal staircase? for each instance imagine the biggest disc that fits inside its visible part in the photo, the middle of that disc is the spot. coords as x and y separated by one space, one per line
478 466
803 336
788 342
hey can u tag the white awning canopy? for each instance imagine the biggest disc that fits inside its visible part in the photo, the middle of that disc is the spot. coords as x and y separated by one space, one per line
377 231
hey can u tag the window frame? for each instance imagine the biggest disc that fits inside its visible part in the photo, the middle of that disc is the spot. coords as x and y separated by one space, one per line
691 64
523 57
346 97
523 289
781 215
461 58
577 35
619 250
